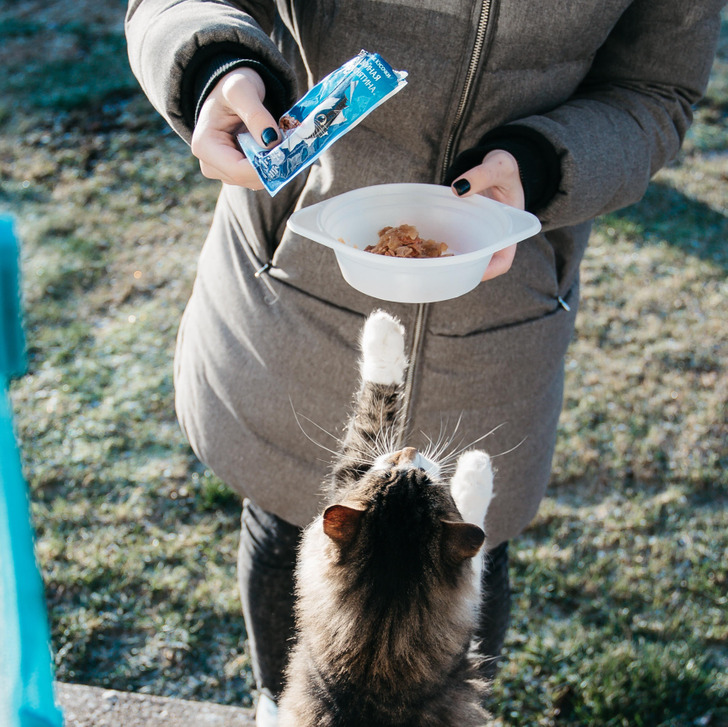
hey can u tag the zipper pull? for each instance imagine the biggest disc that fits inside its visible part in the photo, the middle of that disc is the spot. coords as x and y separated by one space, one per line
262 269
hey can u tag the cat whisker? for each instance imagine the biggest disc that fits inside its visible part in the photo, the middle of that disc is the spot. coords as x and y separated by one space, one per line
298 418
432 450
317 425
449 460
457 426
366 451
479 439
435 450
508 451
386 440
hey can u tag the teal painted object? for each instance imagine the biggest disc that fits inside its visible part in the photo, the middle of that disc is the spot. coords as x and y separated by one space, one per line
12 340
26 670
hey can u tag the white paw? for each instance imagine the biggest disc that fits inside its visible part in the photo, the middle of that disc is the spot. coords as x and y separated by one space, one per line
266 714
472 486
472 490
382 344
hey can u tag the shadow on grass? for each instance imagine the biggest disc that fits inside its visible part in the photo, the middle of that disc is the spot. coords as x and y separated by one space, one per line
62 66
127 654
667 215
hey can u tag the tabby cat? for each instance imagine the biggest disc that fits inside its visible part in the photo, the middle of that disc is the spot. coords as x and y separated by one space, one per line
388 577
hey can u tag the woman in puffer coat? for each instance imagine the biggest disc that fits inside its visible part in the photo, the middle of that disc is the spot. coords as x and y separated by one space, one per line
566 109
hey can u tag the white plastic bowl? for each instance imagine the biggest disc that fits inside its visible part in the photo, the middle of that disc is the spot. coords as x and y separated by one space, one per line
473 228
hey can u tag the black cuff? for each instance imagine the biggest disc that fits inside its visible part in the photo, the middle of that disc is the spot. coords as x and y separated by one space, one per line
538 163
211 63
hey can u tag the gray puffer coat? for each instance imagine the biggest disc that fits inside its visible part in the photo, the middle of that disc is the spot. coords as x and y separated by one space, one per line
609 84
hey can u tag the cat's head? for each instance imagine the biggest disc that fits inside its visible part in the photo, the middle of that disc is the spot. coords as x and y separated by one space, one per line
398 524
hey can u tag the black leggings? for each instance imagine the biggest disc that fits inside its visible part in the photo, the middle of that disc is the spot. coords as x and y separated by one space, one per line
266 561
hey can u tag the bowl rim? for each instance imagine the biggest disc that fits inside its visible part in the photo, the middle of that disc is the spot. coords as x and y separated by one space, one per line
307 222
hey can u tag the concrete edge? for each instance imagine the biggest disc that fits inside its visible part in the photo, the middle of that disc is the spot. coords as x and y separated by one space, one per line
85 706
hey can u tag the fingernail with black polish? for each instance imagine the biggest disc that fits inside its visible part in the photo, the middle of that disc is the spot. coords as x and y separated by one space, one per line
461 186
269 135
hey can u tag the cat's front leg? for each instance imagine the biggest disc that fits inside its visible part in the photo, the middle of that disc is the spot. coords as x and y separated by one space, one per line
375 421
472 489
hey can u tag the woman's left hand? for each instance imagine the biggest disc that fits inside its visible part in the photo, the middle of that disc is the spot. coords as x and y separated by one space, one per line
496 177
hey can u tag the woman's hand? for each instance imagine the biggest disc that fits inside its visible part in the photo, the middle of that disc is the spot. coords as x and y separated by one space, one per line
496 177
235 104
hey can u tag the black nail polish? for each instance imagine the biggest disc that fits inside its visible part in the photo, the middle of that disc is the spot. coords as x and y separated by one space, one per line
461 186
269 135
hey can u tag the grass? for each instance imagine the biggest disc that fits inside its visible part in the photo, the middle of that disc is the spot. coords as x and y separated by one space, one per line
619 586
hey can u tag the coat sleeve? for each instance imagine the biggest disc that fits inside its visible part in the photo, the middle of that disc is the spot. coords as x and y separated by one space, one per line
169 41
630 115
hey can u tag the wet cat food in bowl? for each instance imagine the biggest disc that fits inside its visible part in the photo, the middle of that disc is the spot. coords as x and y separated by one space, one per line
405 241
472 228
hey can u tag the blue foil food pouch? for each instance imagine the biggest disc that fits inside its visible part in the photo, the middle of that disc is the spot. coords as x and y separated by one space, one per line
330 109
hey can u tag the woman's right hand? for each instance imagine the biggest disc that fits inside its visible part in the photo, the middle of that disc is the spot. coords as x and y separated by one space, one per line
234 105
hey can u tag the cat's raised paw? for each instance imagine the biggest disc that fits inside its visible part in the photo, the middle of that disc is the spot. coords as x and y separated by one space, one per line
472 486
382 346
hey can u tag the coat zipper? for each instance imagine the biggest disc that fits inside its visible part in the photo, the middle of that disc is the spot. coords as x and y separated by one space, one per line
422 308
469 78
417 340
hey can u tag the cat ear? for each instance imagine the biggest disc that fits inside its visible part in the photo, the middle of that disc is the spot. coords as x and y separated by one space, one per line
341 523
462 540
